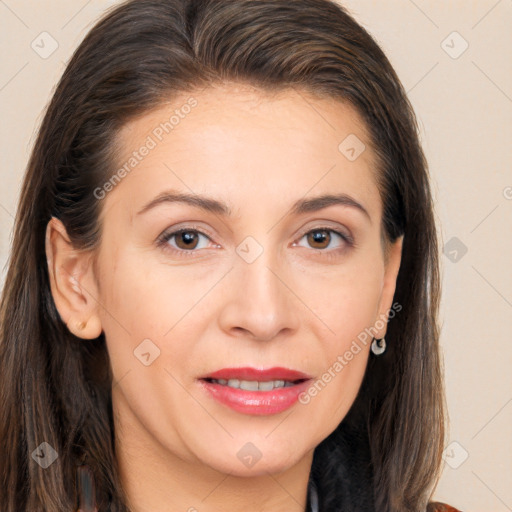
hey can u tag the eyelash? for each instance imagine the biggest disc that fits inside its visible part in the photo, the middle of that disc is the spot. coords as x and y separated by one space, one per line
163 241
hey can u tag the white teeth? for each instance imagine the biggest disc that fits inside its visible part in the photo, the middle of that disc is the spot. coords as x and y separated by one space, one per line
248 385
253 385
266 386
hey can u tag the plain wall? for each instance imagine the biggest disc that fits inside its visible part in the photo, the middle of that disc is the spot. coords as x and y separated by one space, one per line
463 101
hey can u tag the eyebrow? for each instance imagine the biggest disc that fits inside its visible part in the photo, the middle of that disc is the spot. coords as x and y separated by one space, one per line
208 204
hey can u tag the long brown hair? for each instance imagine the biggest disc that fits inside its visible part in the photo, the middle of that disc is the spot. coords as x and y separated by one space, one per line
55 388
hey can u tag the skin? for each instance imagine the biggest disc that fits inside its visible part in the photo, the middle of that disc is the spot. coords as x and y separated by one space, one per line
294 306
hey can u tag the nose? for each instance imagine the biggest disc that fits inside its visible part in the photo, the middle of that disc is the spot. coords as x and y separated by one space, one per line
258 301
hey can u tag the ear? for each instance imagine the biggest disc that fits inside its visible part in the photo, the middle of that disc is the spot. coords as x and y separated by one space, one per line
392 266
72 282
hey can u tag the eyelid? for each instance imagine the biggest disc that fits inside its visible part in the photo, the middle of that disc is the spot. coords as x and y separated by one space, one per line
163 239
347 242
341 230
166 235
184 226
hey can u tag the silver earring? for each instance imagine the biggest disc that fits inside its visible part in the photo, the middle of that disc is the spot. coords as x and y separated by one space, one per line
378 346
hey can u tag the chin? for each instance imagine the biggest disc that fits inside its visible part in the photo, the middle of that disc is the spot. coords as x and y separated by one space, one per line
245 465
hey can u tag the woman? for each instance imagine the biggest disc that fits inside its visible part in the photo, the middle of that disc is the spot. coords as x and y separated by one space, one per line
223 288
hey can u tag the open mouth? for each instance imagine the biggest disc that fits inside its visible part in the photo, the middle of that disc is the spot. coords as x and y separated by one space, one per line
254 385
249 392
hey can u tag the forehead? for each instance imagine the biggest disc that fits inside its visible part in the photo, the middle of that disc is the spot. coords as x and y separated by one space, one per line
237 141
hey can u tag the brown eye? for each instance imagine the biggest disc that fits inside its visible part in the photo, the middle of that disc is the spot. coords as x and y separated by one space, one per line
187 239
184 240
324 238
319 239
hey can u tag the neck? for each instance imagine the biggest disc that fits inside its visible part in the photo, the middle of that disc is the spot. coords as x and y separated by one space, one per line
160 487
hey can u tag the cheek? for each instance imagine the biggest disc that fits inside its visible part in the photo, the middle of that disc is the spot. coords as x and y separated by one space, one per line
149 298
146 300
345 301
348 306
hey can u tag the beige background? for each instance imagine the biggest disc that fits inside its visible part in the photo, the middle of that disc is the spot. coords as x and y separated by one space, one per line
463 100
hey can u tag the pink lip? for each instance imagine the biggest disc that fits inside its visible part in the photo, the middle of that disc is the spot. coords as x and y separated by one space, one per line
256 402
248 373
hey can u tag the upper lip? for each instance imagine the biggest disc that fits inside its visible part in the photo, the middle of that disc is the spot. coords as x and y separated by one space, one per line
258 374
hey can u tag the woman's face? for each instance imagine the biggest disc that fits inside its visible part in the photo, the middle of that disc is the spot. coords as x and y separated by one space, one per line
258 278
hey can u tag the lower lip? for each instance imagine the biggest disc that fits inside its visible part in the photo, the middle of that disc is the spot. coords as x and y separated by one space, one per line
256 402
